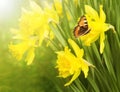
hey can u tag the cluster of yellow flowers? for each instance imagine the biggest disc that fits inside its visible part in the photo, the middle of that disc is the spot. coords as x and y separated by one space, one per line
69 64
34 28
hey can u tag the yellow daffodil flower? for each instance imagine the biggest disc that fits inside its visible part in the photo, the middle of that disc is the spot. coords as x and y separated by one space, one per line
69 64
33 28
59 9
97 25
58 6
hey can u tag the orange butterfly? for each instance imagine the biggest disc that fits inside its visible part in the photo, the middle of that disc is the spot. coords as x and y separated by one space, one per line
82 27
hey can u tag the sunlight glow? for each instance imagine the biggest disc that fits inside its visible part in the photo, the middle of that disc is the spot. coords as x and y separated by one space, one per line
6 8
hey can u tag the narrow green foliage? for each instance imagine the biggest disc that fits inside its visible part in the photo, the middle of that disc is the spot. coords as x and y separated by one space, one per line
93 84
105 75
57 33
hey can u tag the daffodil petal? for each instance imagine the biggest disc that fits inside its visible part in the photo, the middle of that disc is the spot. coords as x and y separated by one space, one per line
30 56
85 68
102 14
76 74
16 34
18 49
91 13
35 7
58 6
79 52
92 38
102 38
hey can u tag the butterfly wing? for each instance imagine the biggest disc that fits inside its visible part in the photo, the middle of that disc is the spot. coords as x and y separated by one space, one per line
78 31
82 27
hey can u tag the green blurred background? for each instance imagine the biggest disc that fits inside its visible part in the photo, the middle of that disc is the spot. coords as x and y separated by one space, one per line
16 76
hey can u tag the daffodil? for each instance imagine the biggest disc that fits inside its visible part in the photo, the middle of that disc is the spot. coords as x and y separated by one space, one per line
58 6
33 28
70 64
97 25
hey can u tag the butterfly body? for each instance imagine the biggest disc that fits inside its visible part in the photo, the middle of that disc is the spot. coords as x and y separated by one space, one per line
82 27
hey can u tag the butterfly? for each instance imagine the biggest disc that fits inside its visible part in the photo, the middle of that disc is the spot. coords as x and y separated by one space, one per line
82 27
